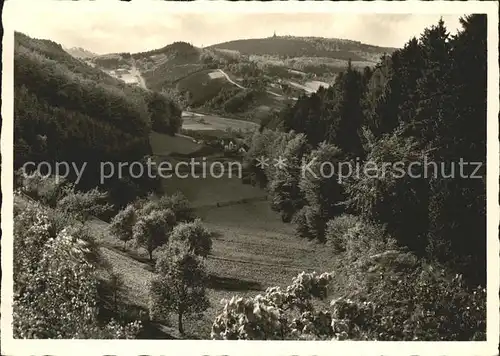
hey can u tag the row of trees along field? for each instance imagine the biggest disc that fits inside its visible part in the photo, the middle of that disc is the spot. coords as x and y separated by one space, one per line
426 99
63 280
65 110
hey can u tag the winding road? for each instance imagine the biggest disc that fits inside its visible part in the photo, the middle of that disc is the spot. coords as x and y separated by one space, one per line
229 79
242 87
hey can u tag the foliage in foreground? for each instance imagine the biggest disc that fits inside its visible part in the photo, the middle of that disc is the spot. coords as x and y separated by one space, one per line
419 307
55 283
405 128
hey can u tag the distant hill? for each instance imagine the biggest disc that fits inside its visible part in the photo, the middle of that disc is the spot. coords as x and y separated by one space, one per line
176 49
289 46
260 75
80 52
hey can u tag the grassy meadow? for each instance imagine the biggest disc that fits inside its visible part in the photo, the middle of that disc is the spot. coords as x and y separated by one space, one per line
252 250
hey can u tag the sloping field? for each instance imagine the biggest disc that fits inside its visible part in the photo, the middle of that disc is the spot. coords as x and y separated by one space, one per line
253 250
202 87
211 191
212 122
201 189
315 84
164 145
164 75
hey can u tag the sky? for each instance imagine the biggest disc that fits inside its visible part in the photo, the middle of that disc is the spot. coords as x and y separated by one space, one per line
124 29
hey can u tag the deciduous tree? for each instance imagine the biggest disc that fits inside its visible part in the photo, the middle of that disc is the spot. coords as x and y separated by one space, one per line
179 285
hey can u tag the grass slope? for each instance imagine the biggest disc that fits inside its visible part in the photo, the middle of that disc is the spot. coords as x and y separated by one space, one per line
208 191
202 87
253 250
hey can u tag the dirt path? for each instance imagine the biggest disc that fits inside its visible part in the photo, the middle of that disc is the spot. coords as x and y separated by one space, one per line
230 80
135 72
242 87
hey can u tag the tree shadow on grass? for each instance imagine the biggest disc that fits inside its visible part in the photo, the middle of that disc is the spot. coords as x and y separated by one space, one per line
124 313
134 254
232 284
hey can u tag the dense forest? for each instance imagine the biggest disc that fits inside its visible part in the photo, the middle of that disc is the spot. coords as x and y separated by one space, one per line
68 111
427 99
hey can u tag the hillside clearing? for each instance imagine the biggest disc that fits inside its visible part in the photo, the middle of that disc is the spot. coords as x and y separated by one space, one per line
211 191
213 122
316 84
216 74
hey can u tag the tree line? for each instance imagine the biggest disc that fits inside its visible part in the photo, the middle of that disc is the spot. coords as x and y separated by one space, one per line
60 291
426 99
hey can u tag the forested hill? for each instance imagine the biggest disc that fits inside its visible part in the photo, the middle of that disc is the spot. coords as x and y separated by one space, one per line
427 99
291 46
66 110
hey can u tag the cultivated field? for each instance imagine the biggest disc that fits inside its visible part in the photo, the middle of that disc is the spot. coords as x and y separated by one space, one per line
211 122
164 145
201 191
202 86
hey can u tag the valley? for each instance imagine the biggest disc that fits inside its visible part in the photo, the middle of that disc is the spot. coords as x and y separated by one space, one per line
247 236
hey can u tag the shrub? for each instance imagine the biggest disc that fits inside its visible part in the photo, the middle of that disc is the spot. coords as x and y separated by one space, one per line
419 306
180 205
299 219
152 230
310 223
365 238
48 190
195 235
336 230
85 204
278 314
177 203
55 280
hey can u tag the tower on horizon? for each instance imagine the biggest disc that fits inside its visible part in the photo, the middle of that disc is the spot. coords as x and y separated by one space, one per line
274 35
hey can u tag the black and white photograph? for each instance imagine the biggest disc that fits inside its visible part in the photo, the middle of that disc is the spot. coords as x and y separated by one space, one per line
217 171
